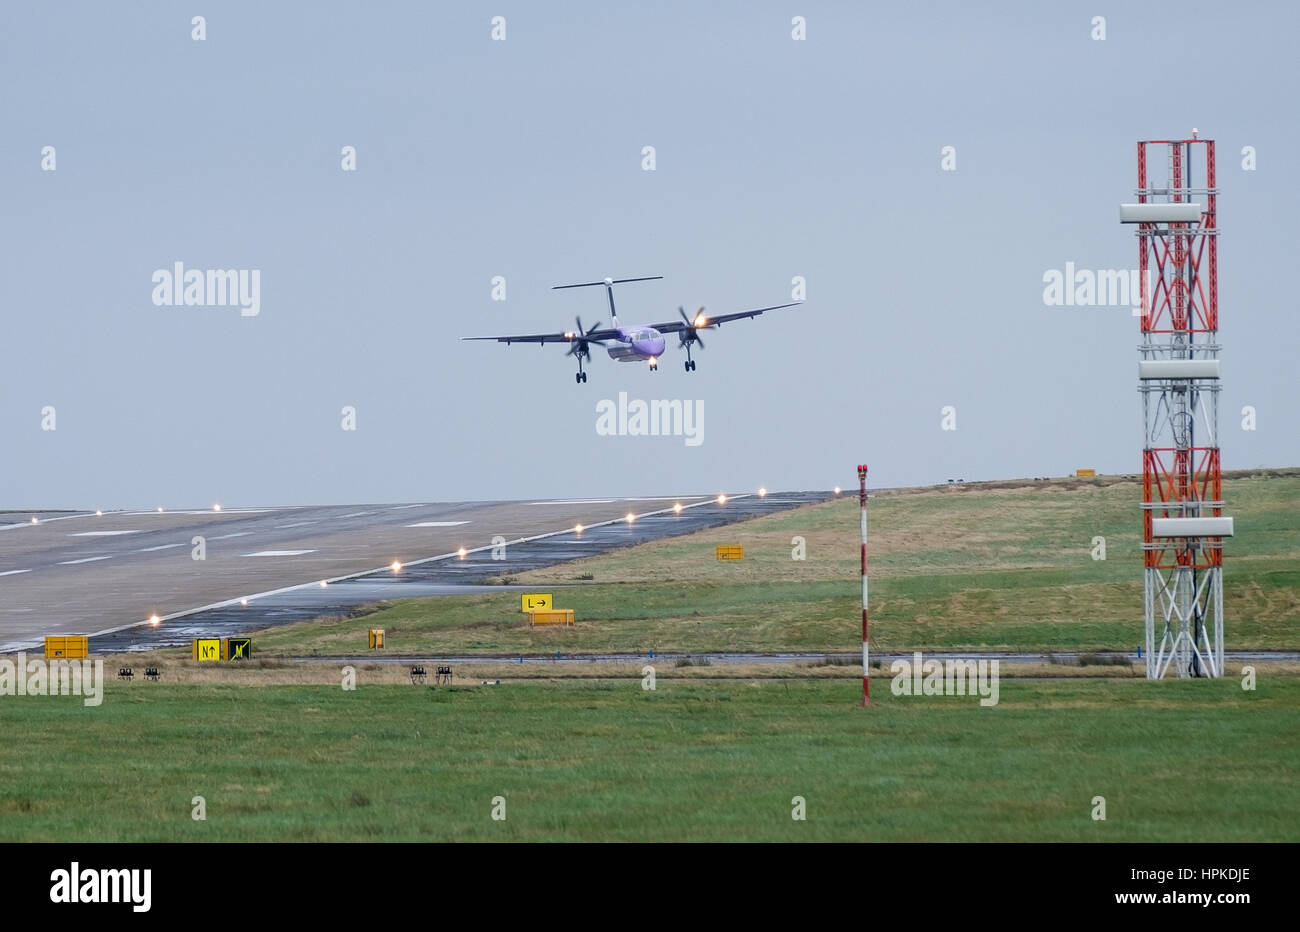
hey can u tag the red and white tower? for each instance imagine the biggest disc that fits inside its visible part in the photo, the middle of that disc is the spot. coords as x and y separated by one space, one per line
1183 525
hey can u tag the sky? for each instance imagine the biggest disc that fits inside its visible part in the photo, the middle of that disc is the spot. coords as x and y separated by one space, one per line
775 159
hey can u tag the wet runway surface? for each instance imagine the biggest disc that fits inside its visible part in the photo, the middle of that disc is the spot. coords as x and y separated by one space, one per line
106 575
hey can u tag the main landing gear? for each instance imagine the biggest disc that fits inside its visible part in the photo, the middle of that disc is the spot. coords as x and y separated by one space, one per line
654 365
689 365
580 376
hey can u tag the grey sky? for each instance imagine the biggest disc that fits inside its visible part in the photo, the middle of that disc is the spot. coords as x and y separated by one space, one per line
522 158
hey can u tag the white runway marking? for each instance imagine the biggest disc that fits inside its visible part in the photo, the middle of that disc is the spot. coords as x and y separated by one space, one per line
437 524
101 533
667 498
163 547
279 553
228 536
357 514
13 572
86 560
400 507
578 501
296 524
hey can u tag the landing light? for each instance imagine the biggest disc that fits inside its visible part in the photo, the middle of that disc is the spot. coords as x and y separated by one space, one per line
700 320
722 499
568 335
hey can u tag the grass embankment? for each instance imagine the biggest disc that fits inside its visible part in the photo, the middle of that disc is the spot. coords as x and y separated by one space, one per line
982 566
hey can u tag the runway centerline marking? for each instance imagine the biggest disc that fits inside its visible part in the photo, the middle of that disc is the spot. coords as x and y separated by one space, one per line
357 514
579 501
228 536
162 547
13 572
102 533
438 524
278 553
86 560
296 524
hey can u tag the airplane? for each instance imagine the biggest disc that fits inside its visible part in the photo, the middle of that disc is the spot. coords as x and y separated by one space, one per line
640 343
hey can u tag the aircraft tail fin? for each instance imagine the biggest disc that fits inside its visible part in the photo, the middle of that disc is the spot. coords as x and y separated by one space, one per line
609 284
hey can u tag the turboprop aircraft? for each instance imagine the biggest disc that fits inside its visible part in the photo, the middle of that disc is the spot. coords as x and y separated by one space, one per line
637 343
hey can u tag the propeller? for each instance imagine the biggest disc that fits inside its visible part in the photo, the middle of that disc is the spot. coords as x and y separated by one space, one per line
580 341
691 334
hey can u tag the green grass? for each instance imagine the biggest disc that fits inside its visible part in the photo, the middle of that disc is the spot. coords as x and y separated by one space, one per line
1176 761
952 568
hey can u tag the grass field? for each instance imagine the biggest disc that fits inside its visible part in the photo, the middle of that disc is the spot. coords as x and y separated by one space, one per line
1179 760
989 566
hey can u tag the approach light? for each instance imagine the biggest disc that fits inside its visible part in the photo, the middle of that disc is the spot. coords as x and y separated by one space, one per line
34 521
397 566
630 517
577 529
216 507
461 553
154 619
837 490
160 509
722 499
243 601
99 513
323 584
762 493
678 508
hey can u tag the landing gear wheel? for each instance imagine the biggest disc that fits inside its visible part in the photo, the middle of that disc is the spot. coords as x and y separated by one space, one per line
580 377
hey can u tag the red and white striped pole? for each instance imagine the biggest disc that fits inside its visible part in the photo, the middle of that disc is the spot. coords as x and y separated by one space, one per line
866 657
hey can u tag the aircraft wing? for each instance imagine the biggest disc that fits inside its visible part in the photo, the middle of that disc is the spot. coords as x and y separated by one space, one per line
594 336
676 326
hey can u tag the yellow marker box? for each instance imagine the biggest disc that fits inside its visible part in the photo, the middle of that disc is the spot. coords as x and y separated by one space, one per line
67 647
730 552
555 616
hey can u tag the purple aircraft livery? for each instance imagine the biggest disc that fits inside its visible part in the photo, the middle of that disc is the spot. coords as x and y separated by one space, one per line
644 343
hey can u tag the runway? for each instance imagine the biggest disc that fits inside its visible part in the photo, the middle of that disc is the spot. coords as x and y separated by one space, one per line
108 575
